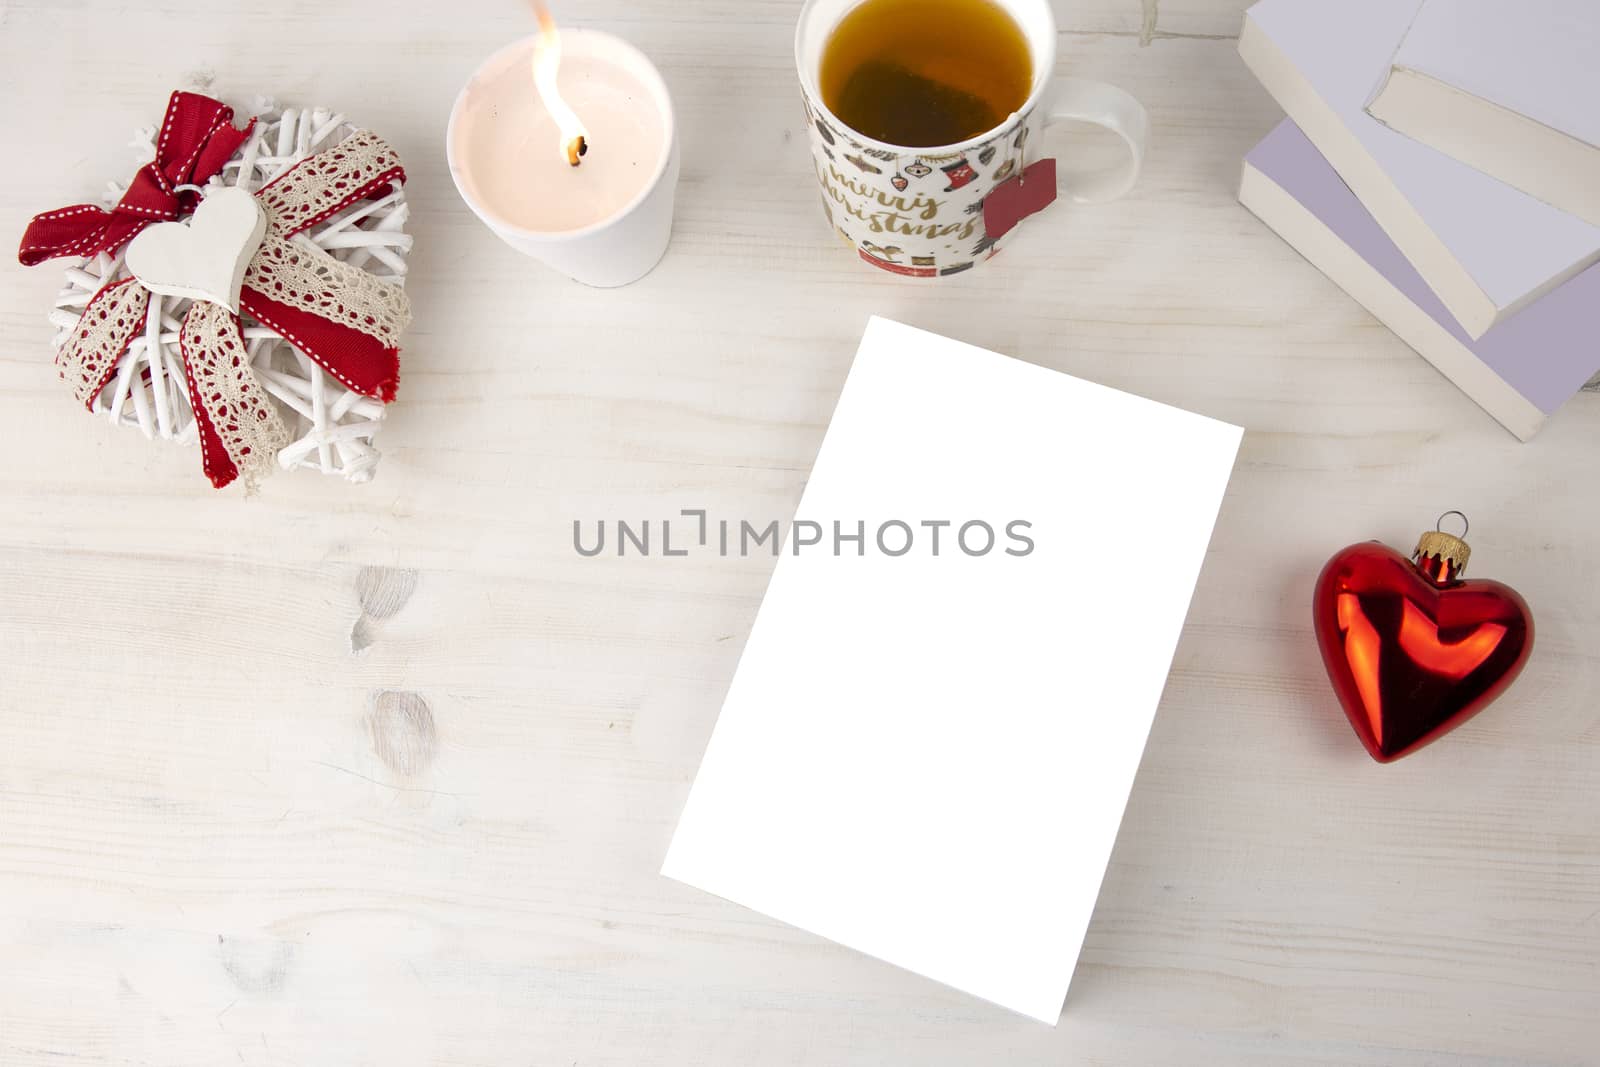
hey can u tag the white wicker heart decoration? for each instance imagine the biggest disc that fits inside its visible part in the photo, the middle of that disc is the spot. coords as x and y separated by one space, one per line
331 428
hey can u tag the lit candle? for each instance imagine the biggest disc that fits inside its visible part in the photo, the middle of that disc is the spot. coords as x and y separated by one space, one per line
565 146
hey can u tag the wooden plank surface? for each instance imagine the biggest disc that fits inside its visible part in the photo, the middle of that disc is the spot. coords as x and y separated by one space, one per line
383 774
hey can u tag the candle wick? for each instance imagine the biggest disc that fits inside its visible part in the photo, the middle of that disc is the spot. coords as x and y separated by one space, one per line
577 148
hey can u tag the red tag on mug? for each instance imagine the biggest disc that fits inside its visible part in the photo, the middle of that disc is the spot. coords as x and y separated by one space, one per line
1016 198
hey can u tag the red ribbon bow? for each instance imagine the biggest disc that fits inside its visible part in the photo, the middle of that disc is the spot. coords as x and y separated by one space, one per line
197 137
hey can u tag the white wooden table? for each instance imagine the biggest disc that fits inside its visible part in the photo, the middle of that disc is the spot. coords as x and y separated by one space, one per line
383 774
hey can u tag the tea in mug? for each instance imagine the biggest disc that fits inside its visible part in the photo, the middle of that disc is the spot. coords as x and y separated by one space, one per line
923 73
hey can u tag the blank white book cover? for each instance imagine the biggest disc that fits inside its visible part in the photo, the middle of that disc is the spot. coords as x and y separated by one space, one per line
1539 58
926 756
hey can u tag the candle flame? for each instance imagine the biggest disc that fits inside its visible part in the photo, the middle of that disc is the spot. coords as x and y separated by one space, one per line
546 65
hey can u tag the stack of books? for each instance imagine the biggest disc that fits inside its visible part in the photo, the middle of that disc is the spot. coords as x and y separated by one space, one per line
1441 163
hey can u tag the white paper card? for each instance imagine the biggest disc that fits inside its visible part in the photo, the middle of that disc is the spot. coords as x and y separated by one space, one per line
926 757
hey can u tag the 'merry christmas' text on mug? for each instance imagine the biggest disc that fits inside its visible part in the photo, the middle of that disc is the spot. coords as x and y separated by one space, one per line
926 212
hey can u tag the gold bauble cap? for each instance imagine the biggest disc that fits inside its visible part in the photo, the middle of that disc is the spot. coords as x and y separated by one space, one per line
1447 547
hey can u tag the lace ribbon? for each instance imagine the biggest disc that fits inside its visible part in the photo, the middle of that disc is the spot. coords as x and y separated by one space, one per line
308 279
240 431
106 328
322 185
340 316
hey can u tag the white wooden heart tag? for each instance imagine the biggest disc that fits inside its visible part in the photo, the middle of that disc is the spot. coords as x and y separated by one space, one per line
206 259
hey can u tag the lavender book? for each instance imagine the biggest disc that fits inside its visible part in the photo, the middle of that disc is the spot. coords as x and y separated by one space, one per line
1520 371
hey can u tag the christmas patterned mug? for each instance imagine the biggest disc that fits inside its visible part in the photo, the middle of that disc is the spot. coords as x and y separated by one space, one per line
927 212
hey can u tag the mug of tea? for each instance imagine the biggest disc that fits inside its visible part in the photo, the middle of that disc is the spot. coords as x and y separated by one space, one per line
926 122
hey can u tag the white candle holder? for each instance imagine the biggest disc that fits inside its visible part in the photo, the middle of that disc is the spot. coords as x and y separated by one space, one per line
616 249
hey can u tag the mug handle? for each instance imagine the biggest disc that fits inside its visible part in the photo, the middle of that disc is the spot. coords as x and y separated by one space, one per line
1082 100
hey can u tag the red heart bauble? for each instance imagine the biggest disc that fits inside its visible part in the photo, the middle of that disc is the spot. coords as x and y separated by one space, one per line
1412 651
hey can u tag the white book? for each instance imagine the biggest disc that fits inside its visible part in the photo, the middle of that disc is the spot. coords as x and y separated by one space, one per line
1520 372
925 755
1485 248
1513 88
